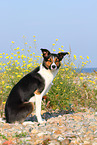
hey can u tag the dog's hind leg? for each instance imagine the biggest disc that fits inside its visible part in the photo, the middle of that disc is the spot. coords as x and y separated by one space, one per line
19 113
25 110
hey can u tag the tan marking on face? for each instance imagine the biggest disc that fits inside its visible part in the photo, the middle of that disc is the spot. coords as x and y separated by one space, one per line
49 62
57 62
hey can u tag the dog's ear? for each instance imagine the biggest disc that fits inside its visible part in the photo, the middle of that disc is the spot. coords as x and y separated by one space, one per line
61 55
45 52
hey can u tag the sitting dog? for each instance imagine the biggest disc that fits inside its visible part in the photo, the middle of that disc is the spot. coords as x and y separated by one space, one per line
31 88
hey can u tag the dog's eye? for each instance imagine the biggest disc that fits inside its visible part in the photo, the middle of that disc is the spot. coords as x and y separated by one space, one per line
57 60
49 60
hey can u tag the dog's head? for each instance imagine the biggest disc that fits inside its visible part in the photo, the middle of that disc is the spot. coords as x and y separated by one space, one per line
51 60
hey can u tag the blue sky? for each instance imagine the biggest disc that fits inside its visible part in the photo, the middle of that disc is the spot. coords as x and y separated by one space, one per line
72 22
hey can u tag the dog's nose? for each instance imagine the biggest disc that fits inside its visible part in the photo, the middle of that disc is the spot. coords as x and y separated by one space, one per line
53 66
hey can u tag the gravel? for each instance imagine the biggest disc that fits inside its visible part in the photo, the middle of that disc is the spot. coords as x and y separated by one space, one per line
59 129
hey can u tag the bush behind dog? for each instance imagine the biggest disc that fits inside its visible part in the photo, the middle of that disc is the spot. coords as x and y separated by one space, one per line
69 90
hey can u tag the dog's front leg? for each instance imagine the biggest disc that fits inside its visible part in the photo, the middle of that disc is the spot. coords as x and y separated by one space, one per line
38 108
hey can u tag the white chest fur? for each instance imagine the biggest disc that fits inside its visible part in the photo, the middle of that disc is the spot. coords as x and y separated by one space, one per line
48 76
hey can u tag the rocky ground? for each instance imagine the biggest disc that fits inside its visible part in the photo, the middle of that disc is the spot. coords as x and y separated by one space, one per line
60 129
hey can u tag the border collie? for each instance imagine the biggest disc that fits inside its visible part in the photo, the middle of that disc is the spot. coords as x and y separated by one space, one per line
31 88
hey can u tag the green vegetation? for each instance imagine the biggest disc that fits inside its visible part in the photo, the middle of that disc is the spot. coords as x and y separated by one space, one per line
71 90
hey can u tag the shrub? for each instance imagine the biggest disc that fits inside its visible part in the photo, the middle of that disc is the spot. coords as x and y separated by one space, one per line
70 88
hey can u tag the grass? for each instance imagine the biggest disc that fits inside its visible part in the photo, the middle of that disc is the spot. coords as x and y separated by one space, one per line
70 90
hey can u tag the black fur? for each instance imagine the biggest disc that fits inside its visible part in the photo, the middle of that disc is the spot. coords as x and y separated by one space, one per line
17 106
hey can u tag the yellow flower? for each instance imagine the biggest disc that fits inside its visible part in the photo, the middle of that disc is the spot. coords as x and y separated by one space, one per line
53 44
12 42
4 103
7 57
17 68
9 62
18 56
93 82
61 82
22 49
0 56
90 81
81 78
56 39
1 92
82 74
75 57
72 64
7 87
66 69
11 57
34 36
61 49
18 76
87 57
34 40
54 50
18 52
18 63
22 56
2 82
25 42
17 48
29 65
81 57
62 46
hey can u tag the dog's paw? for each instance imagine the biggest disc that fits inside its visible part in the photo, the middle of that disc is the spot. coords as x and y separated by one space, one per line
28 123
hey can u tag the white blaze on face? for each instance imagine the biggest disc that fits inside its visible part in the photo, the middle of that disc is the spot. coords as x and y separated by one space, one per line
53 65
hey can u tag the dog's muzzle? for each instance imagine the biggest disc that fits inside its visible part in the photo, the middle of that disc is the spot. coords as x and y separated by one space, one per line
53 66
